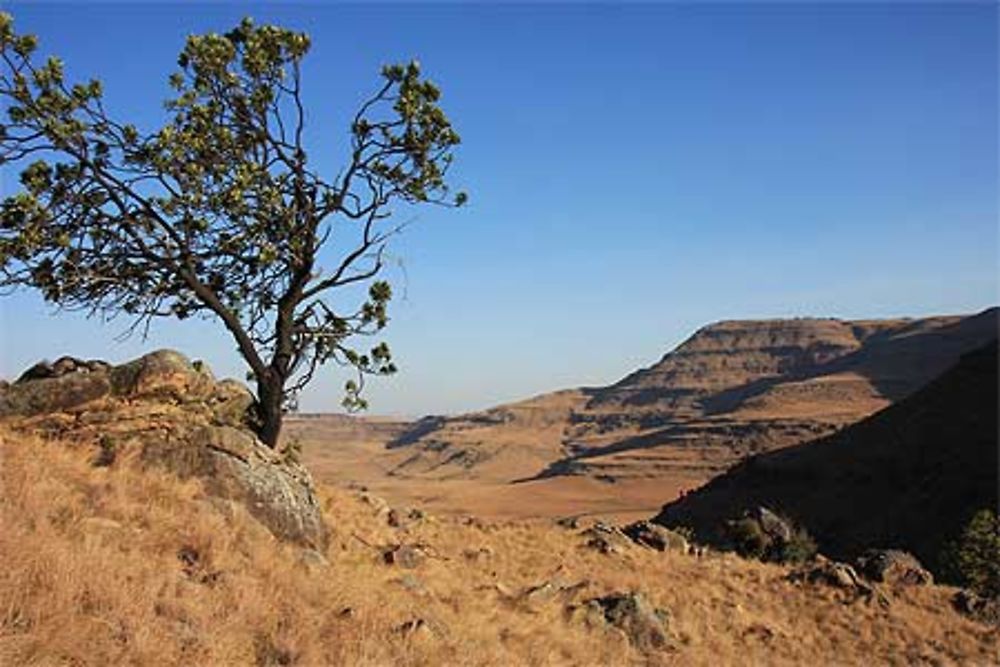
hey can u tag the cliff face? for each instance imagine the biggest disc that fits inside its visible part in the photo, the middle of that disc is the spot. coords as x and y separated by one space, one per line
732 389
909 476
727 355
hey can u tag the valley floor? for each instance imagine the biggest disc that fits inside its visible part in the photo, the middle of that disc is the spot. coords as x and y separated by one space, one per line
353 455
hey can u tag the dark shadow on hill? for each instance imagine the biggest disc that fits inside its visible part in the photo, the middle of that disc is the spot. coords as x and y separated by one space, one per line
909 476
420 428
899 362
565 465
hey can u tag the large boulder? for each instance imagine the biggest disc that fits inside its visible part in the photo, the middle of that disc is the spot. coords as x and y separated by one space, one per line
644 625
655 536
165 375
53 394
893 567
174 416
606 539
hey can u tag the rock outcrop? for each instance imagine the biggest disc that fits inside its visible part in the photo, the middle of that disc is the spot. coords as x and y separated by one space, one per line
644 625
893 567
656 537
163 410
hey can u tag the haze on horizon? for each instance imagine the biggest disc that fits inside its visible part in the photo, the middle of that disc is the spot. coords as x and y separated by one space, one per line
634 173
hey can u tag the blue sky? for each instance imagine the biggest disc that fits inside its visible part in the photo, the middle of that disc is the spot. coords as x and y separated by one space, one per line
635 172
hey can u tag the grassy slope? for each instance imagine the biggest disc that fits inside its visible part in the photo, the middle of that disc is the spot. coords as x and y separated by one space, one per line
91 576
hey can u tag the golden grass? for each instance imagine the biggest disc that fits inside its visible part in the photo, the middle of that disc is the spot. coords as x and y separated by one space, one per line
117 566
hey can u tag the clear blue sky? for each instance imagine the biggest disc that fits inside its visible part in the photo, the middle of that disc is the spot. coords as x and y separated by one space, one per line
635 172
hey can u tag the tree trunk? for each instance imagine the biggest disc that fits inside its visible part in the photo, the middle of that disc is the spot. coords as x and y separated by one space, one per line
269 399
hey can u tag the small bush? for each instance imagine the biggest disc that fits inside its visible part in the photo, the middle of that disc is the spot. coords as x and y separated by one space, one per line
749 539
800 548
973 560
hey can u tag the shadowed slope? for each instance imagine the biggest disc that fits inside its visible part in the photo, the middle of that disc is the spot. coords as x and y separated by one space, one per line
909 476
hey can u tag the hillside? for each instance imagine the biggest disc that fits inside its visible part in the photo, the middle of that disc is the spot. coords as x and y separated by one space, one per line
732 389
909 476
115 565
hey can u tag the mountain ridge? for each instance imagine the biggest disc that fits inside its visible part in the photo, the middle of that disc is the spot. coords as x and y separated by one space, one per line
731 389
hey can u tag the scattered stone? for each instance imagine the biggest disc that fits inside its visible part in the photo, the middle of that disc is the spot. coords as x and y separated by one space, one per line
826 572
399 519
413 584
893 567
606 539
978 607
570 522
106 454
830 573
474 522
195 567
403 555
477 554
698 550
375 502
657 537
553 589
644 625
313 559
421 628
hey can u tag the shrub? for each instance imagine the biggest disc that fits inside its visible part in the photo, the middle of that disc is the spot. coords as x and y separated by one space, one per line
801 547
973 560
750 539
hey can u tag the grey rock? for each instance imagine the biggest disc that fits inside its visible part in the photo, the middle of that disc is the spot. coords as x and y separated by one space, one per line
655 536
644 625
894 567
37 396
978 607
403 555
606 539
772 525
830 573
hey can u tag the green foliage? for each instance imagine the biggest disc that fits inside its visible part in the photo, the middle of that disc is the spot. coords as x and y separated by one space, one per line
800 548
973 560
218 213
749 539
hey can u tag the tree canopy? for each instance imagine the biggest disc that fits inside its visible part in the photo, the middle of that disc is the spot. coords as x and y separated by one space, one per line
218 212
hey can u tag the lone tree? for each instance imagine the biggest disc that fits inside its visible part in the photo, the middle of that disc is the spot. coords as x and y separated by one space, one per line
218 212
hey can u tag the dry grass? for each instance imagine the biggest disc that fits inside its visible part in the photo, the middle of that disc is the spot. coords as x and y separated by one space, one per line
116 566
